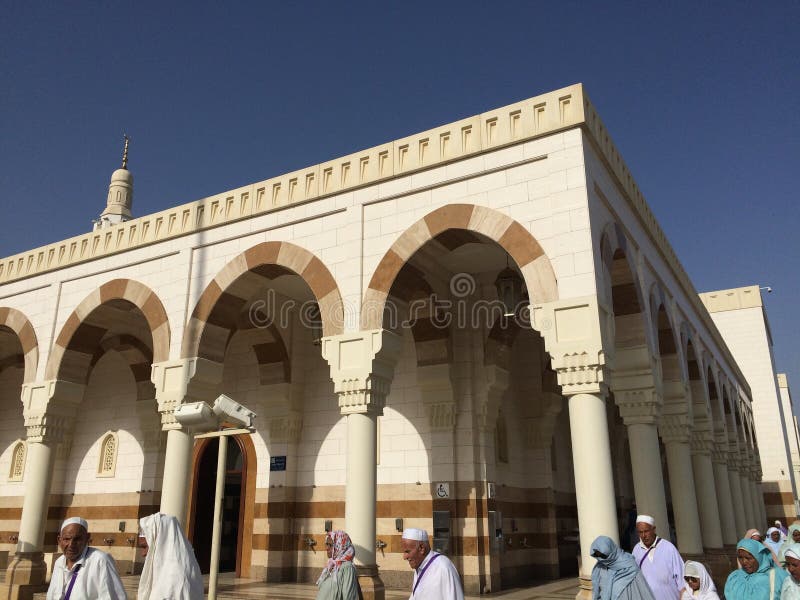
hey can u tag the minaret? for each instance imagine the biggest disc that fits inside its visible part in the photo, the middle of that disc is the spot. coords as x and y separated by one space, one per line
120 195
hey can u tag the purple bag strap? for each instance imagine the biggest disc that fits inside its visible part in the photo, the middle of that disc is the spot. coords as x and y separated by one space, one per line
418 578
72 581
648 552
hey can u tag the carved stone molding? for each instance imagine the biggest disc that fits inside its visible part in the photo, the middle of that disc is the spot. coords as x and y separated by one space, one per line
436 390
490 397
581 373
702 442
675 429
49 408
181 381
362 368
642 406
286 429
572 335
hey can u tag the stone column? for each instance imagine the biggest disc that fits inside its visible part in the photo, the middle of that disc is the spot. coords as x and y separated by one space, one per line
738 501
362 368
178 382
49 410
706 489
594 479
760 516
747 494
640 411
574 339
676 435
727 516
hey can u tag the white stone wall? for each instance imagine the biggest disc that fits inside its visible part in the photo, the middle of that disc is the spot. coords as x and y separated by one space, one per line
108 405
11 429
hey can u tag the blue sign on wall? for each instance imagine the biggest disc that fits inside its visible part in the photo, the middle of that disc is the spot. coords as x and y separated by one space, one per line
277 463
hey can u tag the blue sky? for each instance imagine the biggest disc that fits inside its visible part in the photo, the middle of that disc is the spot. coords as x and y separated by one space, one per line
700 97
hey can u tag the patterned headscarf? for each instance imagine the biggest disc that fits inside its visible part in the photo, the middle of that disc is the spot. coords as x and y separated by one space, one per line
342 551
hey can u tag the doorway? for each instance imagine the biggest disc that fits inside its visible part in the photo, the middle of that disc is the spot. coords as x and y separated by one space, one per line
233 504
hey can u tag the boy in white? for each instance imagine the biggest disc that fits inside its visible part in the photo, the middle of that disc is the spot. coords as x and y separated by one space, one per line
435 577
83 572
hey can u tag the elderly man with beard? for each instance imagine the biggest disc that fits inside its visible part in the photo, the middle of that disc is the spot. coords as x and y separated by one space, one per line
435 577
83 572
659 560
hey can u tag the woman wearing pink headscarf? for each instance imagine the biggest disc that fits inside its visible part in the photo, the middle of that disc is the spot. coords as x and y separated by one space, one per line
338 580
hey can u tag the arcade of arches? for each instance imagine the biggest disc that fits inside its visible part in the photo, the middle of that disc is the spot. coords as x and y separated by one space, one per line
481 352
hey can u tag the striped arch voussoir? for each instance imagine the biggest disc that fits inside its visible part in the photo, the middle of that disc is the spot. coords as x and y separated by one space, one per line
211 315
18 323
515 239
86 338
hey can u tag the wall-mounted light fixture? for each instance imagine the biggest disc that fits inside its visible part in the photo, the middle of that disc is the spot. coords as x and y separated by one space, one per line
398 525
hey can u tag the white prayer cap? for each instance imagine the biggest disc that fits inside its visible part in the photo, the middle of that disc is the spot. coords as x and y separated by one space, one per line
75 521
755 533
646 519
418 535
793 552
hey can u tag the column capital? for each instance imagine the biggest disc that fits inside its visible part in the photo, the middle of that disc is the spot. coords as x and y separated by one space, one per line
49 408
642 406
362 368
184 380
573 337
702 442
675 429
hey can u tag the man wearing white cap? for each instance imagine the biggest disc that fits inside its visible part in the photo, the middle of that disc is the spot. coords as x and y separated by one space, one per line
435 577
83 572
659 560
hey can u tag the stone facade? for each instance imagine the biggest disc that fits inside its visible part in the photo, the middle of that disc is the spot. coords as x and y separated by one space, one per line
354 306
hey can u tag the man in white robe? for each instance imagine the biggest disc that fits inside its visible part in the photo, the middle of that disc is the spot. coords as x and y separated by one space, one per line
659 560
170 567
82 571
435 577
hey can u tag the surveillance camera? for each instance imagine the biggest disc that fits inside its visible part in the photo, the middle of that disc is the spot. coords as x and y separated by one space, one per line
196 415
227 409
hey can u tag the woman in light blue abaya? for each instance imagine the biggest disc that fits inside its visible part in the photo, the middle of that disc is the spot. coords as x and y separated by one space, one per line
616 576
758 578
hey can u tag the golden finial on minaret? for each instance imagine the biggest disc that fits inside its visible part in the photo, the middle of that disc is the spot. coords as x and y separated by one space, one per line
125 151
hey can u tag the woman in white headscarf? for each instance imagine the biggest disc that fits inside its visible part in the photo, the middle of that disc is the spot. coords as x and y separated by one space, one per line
790 590
699 585
170 568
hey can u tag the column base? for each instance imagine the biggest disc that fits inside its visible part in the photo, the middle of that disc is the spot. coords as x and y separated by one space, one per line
26 575
584 589
370 582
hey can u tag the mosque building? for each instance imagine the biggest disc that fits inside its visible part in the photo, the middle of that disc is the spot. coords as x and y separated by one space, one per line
480 330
